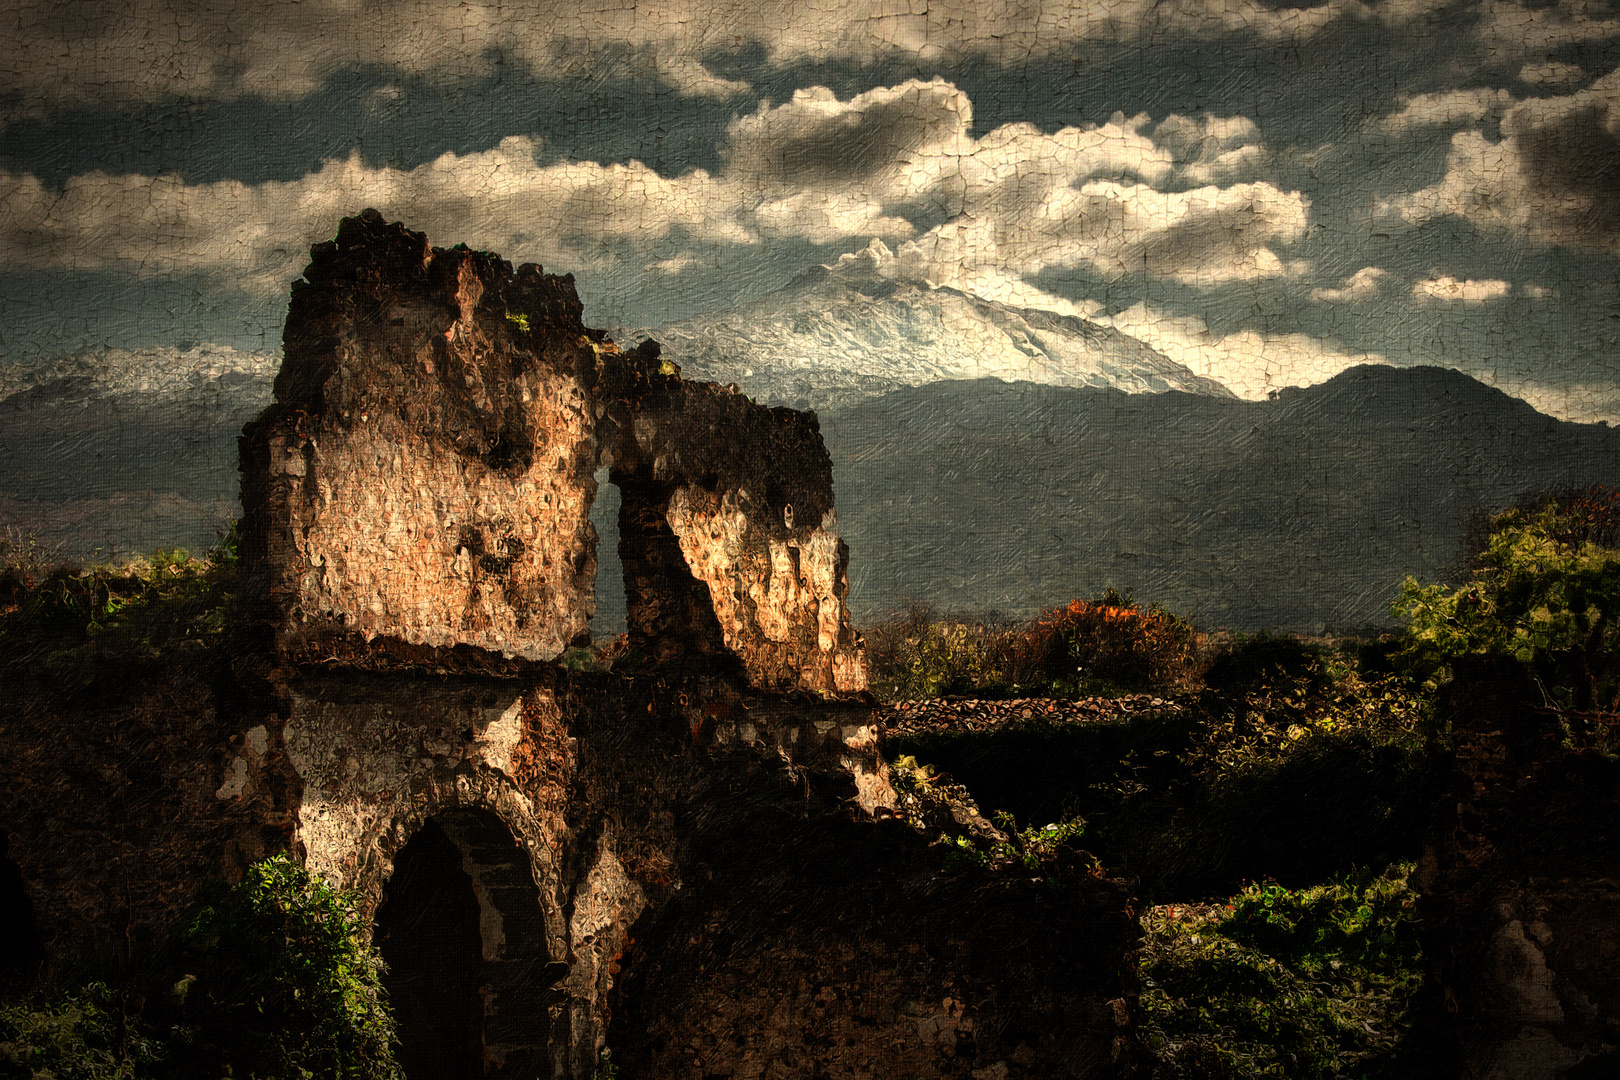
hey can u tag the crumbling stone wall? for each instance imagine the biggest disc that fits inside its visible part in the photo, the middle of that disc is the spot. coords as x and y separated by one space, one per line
819 945
1520 884
741 498
426 475
117 803
426 471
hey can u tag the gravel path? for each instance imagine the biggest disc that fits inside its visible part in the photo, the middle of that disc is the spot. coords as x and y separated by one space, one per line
934 716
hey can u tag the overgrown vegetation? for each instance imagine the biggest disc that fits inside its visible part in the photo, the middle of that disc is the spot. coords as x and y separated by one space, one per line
1288 760
1542 587
284 985
77 1035
934 804
273 980
1282 759
1293 761
1310 984
72 619
1111 645
1297 760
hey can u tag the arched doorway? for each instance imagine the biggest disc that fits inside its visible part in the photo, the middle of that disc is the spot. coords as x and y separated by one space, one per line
462 932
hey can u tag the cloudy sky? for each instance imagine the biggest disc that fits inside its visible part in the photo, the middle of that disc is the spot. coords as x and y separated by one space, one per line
1267 193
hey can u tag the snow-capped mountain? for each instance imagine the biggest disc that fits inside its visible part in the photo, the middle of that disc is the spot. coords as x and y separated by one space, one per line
860 328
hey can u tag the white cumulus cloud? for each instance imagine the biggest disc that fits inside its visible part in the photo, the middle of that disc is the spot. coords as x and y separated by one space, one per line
1015 201
259 235
1249 363
1446 108
88 51
1449 290
1552 74
1554 176
1361 285
1206 236
1510 29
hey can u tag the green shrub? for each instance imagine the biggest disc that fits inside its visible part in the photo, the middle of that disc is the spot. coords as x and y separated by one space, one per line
76 1035
1544 590
920 654
282 984
1265 695
1305 984
929 801
69 617
278 984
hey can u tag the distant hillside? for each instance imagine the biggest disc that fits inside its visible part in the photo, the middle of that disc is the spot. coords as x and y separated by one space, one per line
1296 513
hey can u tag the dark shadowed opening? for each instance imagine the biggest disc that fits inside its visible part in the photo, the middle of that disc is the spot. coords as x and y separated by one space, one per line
22 950
427 931
469 973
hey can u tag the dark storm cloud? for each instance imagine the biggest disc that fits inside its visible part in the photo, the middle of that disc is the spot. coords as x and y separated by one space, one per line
856 147
87 51
1570 161
1553 177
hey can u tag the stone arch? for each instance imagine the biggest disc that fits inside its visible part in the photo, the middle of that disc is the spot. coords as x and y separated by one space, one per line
470 973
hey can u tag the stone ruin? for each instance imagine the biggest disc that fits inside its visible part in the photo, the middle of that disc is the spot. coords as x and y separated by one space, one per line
691 857
1520 886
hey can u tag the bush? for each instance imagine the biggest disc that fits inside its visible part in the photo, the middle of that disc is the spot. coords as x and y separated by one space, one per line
1545 590
1265 695
283 984
78 1035
278 985
1106 646
1299 765
1307 984
64 616
1110 643
921 654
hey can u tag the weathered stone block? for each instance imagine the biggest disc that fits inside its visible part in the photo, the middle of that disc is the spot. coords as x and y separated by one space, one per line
426 476
426 471
732 503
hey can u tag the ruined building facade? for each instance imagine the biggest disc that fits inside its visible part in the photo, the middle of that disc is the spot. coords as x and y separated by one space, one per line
690 857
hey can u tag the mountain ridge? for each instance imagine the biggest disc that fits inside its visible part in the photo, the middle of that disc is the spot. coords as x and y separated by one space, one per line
1297 513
